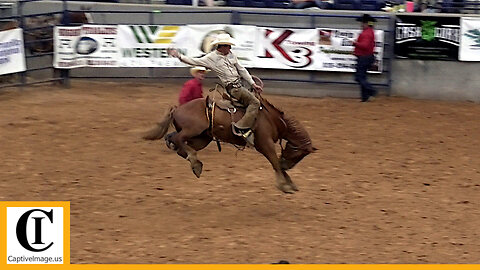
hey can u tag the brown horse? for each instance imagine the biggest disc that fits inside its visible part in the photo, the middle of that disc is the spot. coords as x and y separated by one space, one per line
196 127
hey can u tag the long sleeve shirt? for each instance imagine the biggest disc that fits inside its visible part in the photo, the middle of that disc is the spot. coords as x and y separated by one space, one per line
191 89
365 43
226 67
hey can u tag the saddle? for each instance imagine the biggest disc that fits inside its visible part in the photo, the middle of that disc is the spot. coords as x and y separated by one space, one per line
231 105
226 103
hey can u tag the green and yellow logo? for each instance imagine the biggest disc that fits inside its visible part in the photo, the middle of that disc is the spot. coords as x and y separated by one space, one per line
154 33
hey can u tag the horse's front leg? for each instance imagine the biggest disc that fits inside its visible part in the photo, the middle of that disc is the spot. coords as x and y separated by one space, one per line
283 180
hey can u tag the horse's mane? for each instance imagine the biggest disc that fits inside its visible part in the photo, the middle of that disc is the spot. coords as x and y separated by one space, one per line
265 101
295 133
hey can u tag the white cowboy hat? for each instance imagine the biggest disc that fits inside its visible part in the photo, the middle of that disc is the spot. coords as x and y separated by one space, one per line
223 39
195 69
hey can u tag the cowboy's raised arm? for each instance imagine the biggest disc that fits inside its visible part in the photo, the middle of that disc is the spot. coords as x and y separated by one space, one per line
204 61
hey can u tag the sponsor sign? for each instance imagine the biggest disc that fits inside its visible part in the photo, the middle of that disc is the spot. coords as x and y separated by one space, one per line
85 46
197 40
427 37
146 45
35 232
335 50
12 53
282 48
470 39
325 49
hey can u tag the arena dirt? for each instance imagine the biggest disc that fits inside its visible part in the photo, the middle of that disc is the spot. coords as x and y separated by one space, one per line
393 181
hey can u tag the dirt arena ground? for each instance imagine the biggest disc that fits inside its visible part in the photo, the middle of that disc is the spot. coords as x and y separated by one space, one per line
394 181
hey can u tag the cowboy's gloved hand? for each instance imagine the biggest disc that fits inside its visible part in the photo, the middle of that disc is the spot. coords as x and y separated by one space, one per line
257 88
173 52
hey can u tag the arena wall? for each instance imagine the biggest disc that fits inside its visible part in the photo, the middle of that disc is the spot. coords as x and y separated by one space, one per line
444 80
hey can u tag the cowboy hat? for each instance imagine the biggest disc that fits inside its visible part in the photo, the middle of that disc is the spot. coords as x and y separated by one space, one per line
366 18
195 69
224 39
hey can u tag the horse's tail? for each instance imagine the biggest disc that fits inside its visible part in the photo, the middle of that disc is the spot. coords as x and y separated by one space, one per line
162 127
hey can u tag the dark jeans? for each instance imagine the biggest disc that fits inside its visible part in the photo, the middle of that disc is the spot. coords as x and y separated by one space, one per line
363 64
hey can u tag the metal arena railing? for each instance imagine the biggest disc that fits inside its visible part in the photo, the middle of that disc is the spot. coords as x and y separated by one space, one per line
236 17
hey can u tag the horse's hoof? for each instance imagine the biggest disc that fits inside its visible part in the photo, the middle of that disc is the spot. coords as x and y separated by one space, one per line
285 188
197 168
294 187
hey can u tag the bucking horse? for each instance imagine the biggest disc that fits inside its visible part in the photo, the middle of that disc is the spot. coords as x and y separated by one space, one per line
200 121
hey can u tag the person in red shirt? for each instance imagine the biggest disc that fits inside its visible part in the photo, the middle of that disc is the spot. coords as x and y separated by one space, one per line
192 89
364 46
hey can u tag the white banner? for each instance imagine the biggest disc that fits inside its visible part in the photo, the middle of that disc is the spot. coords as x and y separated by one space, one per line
324 49
469 39
12 53
196 41
146 45
335 50
281 48
85 46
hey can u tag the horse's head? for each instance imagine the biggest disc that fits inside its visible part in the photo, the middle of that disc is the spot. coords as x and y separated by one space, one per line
292 154
298 146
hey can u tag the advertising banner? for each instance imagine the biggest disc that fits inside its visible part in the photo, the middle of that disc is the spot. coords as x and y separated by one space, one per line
427 37
198 39
146 45
335 50
282 48
325 49
470 39
12 53
85 46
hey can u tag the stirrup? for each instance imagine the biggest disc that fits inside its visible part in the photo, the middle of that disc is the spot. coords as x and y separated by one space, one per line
249 138
245 133
240 131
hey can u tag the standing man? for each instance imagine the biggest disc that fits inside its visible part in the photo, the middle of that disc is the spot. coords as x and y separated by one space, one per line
364 47
225 64
192 89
